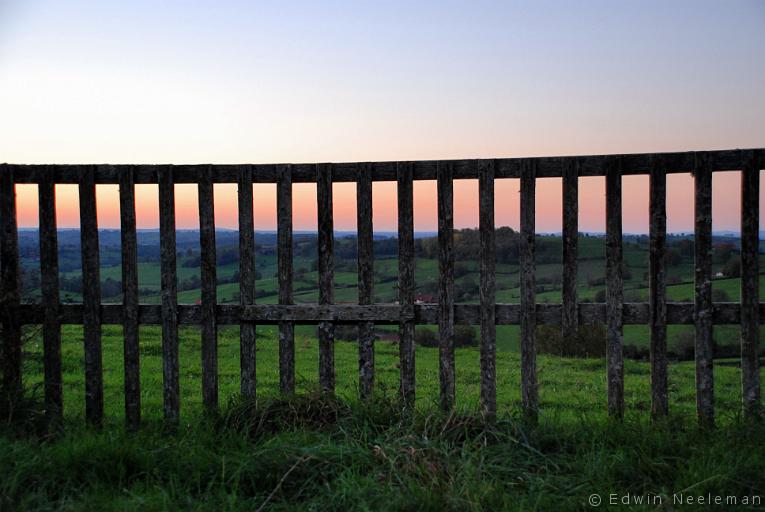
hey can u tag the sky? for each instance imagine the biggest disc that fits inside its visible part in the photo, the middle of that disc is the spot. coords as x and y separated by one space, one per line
258 82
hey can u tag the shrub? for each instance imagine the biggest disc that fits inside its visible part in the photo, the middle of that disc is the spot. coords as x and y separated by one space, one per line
683 345
635 352
590 341
732 268
466 289
425 337
464 336
347 332
720 296
460 270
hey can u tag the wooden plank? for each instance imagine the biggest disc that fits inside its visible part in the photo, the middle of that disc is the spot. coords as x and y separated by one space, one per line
614 290
169 284
547 167
487 291
445 187
326 275
91 301
703 290
131 348
10 285
657 290
284 257
49 286
570 252
750 286
635 313
209 291
365 264
528 316
405 196
247 330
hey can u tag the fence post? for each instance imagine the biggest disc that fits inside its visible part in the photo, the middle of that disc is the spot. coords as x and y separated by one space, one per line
49 287
326 275
247 330
405 196
657 292
91 298
209 290
130 299
365 264
750 285
703 285
284 257
445 188
614 288
170 364
487 290
570 235
529 392
10 282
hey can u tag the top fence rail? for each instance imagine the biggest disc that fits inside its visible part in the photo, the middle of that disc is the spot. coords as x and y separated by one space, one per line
546 167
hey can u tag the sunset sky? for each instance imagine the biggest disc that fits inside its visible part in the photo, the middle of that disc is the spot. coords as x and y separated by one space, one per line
232 82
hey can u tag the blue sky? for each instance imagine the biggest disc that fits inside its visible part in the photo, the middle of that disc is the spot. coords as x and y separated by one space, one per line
330 81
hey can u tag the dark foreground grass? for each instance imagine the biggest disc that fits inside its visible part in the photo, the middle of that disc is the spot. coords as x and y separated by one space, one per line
313 452
318 453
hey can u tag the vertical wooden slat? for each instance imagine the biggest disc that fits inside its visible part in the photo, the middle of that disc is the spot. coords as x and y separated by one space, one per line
488 289
614 289
703 289
365 263
570 319
284 257
49 287
750 285
209 291
247 331
405 196
10 283
326 275
529 392
657 291
169 282
91 299
445 188
130 299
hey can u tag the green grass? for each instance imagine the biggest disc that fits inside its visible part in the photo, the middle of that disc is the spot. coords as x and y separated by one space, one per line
314 453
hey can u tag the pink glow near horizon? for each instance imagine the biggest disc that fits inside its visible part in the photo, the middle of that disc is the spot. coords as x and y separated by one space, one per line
725 204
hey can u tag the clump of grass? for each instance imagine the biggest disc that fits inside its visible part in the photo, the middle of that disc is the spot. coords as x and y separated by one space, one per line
22 413
316 410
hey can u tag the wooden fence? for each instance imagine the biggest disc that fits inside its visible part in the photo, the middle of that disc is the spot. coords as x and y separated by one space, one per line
657 313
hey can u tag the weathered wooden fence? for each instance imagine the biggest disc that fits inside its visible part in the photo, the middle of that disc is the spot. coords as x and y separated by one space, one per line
657 313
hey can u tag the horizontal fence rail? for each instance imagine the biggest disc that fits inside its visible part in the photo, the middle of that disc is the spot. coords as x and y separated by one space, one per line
571 313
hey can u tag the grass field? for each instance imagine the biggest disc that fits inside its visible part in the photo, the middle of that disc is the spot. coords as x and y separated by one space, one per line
315 453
